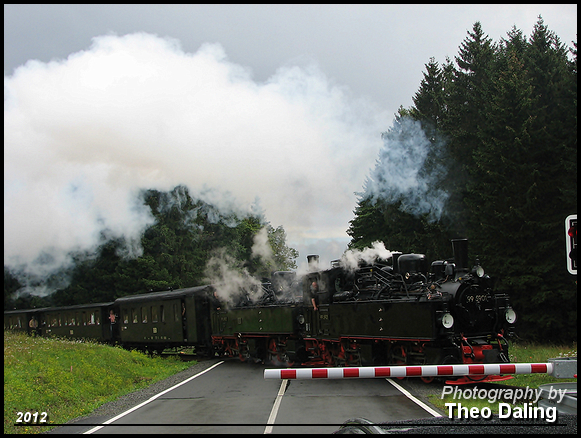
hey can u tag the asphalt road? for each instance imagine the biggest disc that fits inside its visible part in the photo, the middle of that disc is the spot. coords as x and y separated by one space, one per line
234 397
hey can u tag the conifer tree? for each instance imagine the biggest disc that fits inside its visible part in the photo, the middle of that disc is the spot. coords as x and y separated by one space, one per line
508 115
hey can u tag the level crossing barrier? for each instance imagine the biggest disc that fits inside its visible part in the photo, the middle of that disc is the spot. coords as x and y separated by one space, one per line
410 371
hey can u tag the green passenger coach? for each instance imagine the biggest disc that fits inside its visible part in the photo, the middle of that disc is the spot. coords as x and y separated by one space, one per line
159 320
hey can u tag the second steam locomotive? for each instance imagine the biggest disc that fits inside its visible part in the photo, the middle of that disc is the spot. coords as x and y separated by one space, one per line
382 312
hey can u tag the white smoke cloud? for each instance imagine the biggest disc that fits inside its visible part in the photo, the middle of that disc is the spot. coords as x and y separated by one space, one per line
261 247
83 135
351 258
232 283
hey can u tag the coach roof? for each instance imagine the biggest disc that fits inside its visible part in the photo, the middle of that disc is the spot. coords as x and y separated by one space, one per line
163 295
58 309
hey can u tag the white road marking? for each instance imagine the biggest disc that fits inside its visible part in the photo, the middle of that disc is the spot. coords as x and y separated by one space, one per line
412 398
94 429
275 407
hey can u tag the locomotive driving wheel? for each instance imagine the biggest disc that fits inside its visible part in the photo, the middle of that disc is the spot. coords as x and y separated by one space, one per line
242 348
227 348
276 354
271 351
349 354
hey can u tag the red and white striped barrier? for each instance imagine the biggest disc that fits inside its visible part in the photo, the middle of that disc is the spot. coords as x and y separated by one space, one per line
409 371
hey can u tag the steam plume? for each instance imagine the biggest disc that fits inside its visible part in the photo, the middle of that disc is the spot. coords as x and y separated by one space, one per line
351 258
83 136
409 169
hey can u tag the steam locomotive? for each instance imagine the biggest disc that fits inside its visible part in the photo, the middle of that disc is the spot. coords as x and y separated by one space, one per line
384 312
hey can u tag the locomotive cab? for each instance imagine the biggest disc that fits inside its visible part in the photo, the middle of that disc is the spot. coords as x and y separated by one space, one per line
317 286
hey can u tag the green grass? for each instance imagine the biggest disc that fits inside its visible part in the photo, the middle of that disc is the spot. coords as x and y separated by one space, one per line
518 353
68 379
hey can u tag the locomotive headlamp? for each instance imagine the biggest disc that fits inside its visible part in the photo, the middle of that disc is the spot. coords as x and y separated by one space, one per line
478 270
510 315
301 319
447 320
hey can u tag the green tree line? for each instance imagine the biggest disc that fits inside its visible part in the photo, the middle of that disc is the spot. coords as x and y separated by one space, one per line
500 126
176 248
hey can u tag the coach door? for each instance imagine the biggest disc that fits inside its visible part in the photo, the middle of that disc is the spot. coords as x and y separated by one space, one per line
191 322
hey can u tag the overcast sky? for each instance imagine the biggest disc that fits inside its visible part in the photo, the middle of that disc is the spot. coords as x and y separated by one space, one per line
276 107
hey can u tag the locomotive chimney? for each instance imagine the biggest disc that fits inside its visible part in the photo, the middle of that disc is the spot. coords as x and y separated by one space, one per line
460 249
313 262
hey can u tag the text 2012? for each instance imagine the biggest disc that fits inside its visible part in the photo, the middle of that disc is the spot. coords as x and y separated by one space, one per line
31 417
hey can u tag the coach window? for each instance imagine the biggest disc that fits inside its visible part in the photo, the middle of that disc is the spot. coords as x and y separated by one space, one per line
125 317
144 315
153 313
83 318
134 316
162 314
60 320
176 313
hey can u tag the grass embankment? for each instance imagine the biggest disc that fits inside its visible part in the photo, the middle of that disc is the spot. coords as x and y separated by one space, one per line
518 353
68 379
